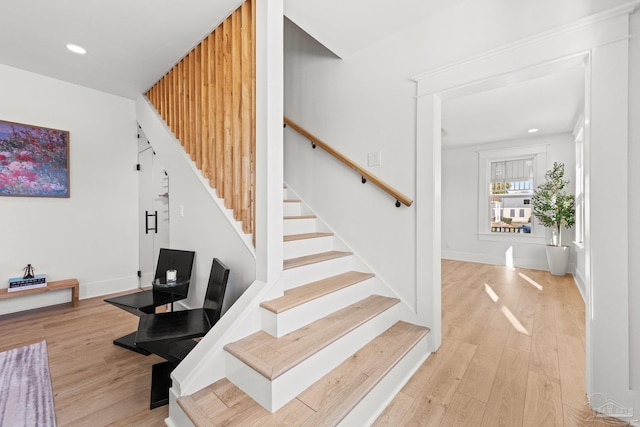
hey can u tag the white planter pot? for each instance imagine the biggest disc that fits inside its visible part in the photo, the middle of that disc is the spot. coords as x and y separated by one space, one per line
558 259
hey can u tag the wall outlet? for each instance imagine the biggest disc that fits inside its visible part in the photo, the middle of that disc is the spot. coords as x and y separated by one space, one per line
374 159
181 210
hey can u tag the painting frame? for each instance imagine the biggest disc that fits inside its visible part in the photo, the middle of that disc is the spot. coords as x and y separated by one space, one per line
34 161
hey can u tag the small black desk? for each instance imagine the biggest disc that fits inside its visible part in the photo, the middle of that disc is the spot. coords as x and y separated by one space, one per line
145 302
176 289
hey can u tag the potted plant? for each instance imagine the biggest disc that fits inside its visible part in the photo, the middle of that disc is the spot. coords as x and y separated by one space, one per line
554 206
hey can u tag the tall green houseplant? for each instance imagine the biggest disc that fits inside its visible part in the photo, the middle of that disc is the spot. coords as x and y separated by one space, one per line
553 204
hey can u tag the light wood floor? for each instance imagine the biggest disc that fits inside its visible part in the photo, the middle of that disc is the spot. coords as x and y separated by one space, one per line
512 355
94 382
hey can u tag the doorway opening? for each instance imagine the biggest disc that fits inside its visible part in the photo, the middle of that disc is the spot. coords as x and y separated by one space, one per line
153 209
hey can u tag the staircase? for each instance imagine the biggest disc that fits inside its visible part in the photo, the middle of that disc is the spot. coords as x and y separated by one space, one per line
333 350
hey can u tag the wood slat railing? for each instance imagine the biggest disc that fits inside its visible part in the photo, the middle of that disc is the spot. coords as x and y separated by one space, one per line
208 102
366 175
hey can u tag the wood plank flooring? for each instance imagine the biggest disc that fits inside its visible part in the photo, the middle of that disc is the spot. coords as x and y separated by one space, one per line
512 354
95 383
529 353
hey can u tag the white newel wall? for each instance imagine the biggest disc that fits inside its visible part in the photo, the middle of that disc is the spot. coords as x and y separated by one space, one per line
93 235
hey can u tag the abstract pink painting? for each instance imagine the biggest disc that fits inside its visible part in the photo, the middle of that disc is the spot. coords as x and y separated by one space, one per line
34 161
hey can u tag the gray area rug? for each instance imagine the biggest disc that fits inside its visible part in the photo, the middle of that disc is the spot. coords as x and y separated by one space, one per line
26 398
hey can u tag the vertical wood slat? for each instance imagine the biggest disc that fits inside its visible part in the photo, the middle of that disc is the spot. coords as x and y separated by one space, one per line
245 119
159 96
193 98
185 102
204 111
208 101
219 126
227 109
179 106
196 150
236 94
165 96
191 93
211 107
170 92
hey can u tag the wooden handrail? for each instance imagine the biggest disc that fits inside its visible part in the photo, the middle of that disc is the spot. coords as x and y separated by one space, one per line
366 176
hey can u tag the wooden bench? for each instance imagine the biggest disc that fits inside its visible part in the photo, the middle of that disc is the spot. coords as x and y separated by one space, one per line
51 286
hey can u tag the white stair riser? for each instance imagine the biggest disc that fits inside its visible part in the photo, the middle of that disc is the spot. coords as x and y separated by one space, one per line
374 403
292 208
297 276
251 382
177 417
300 226
303 247
288 385
298 317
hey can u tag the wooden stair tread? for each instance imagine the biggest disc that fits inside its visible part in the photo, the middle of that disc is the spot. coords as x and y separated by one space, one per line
337 393
312 259
292 201
272 357
326 402
305 293
292 217
303 236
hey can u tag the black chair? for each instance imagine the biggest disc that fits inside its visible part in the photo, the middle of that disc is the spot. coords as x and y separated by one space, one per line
139 303
170 335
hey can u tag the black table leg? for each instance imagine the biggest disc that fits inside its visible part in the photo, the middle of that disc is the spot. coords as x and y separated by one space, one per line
160 384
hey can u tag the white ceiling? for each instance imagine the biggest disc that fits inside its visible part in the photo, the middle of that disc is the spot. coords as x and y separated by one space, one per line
551 104
346 26
131 44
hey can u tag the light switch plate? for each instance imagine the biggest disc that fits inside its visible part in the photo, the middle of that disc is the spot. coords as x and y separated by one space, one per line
374 159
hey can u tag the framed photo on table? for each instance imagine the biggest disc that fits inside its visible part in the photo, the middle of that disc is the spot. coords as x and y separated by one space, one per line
34 161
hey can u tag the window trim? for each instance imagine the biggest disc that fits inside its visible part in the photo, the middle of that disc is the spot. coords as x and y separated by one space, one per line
485 157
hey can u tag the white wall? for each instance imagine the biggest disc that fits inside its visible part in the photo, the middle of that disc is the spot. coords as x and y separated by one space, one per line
318 89
198 221
460 203
93 235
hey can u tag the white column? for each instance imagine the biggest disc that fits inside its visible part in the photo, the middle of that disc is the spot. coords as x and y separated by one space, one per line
606 223
269 139
428 227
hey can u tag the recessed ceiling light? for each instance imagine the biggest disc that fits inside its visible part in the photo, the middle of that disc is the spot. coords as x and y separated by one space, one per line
76 49
534 130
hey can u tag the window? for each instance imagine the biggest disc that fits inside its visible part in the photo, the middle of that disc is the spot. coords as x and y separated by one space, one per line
507 178
511 188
